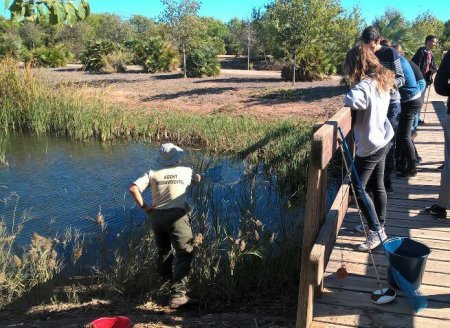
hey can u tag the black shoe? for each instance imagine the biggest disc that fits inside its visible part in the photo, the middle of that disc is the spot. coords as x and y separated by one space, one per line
441 167
418 159
413 134
407 174
421 122
436 211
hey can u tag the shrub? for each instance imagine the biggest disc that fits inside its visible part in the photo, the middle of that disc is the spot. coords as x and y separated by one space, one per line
202 61
156 55
92 57
115 62
10 45
56 56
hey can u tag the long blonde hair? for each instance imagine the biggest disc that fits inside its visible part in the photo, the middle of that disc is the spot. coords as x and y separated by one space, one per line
361 62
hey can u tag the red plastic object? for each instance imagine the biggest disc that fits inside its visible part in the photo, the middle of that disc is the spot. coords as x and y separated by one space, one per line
114 322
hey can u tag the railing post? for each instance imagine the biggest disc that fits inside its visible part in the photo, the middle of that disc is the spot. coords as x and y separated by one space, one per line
314 214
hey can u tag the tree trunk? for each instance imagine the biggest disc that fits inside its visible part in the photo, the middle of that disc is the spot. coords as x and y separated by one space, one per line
293 69
184 62
248 54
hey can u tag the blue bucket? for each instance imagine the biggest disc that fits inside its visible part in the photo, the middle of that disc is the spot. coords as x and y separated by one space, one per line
408 257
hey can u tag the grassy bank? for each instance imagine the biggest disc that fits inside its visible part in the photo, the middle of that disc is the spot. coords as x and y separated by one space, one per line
30 105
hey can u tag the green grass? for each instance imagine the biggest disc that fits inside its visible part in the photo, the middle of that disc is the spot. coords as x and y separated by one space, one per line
32 106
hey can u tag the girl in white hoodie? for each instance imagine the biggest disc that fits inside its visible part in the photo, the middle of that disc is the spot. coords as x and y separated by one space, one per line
372 132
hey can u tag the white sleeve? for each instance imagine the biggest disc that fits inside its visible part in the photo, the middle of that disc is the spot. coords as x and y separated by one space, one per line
357 98
143 182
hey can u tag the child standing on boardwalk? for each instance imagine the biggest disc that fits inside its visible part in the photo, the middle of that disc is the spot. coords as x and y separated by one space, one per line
370 98
169 217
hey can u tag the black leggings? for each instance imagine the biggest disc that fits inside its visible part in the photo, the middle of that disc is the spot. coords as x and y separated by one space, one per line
406 152
372 166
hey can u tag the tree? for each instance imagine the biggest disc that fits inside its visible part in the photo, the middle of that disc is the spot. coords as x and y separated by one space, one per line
300 25
234 44
52 11
392 25
143 28
213 31
110 27
181 18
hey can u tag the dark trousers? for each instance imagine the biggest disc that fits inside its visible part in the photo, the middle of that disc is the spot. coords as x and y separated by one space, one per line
367 167
172 228
393 116
406 151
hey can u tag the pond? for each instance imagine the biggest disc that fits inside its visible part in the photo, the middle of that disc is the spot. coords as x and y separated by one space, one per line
54 183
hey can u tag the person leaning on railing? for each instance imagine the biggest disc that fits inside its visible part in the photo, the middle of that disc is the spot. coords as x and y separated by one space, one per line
442 87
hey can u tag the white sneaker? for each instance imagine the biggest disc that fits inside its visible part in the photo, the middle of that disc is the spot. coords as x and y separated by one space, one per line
372 241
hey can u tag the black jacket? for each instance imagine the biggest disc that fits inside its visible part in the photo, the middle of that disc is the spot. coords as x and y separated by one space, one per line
420 59
441 82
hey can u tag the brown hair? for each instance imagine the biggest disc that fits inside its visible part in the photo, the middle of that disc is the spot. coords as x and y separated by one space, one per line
361 62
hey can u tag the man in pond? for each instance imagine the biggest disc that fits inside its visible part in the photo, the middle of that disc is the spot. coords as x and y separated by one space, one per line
169 217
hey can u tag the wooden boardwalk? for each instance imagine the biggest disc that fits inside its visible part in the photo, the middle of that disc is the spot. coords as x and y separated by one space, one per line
346 303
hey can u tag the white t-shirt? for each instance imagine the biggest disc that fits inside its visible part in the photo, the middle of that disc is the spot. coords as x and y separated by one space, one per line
168 186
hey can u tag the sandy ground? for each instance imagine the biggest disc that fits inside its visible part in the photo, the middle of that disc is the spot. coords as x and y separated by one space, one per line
260 94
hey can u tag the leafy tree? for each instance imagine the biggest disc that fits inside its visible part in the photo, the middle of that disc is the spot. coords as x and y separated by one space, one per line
213 31
143 27
33 35
234 44
76 37
299 26
110 27
181 18
52 11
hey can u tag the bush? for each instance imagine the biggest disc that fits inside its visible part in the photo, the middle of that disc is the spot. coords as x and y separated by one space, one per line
313 65
202 61
156 55
56 56
93 56
115 62
10 45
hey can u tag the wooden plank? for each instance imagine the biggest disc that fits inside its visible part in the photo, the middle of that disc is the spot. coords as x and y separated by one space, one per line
362 258
324 143
369 284
318 324
326 239
439 280
336 296
369 317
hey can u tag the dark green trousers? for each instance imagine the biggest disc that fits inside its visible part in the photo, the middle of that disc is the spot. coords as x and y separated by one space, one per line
172 228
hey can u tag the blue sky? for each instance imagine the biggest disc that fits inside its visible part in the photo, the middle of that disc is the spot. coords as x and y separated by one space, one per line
227 9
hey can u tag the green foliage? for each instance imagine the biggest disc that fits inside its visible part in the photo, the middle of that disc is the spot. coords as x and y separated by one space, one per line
92 57
300 25
214 31
10 45
234 40
110 27
33 35
55 56
143 28
76 37
115 62
203 61
155 55
51 11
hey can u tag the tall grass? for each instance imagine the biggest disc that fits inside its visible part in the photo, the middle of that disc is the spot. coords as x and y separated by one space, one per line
30 105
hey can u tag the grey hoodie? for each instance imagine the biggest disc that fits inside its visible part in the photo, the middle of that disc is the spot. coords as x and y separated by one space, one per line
371 130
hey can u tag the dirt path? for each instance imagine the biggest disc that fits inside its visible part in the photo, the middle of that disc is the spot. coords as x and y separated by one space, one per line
260 94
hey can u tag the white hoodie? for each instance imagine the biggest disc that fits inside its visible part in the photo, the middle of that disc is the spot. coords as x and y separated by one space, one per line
371 130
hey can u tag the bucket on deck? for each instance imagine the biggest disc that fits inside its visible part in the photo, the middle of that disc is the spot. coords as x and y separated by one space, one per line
111 322
408 257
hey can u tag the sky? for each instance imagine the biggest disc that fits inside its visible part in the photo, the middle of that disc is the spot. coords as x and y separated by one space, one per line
227 9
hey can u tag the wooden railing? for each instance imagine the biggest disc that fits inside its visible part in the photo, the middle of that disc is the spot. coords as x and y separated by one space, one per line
320 229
